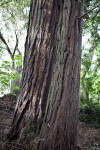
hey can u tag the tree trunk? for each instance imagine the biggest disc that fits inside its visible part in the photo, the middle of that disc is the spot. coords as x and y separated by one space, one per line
49 93
15 82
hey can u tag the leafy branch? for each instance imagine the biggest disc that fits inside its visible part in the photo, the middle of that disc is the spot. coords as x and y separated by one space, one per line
89 11
6 3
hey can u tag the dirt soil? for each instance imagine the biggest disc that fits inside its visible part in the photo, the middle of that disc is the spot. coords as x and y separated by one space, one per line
87 137
7 105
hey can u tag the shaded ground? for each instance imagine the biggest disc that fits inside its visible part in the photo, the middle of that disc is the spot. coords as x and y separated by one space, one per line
87 136
7 105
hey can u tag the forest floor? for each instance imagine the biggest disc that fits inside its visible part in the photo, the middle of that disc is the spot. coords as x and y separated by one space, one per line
87 137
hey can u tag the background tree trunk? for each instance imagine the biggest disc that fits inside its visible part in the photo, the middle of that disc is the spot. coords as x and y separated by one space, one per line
49 93
16 82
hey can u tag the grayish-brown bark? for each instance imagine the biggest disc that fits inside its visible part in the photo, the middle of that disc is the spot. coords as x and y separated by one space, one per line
51 75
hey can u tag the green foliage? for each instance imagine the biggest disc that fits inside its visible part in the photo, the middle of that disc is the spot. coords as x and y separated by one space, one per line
90 68
18 60
95 147
6 65
4 80
14 11
16 87
6 73
13 24
90 114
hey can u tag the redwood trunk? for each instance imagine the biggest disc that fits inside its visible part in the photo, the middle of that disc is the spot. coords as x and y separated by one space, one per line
51 76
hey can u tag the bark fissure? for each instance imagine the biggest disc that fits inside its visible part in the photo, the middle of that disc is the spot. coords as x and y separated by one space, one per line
50 83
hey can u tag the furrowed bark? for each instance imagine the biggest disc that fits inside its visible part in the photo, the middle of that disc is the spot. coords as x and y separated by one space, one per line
51 74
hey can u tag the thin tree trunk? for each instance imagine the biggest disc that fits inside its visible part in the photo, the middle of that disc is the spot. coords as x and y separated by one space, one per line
51 75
